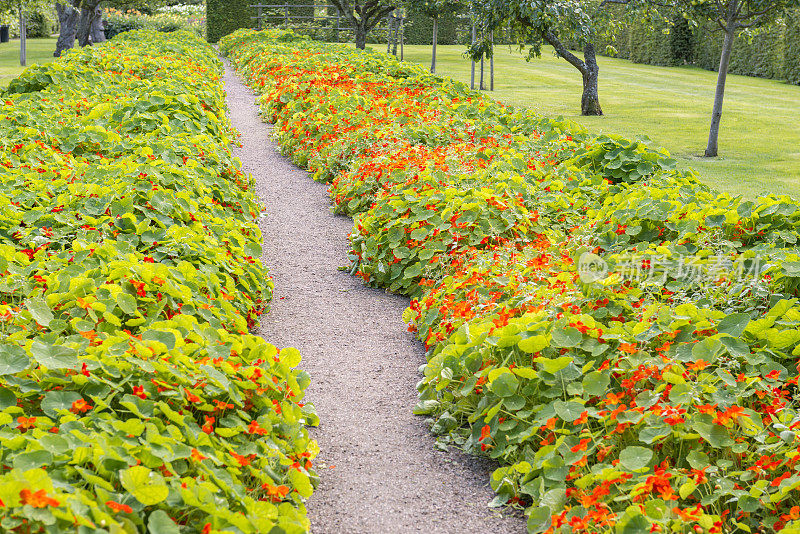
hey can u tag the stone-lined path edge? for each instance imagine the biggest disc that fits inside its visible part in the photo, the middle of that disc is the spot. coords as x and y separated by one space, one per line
379 470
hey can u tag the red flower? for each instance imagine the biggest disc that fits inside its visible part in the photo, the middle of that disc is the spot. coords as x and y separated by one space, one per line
139 392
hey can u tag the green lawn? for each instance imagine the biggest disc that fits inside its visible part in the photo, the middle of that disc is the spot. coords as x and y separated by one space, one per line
39 51
760 135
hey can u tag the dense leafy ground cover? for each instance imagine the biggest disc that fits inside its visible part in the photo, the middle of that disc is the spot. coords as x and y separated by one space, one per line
619 337
132 397
671 105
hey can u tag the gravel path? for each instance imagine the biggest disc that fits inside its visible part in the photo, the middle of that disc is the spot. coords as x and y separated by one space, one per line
379 470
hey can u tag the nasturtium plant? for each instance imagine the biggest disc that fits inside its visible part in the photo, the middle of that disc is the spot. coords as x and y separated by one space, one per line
619 337
132 396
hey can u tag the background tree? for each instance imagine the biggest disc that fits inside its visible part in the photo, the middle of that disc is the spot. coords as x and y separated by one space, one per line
731 16
83 20
21 9
435 9
364 15
555 22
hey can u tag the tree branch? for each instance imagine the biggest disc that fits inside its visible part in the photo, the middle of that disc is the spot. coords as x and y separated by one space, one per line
562 51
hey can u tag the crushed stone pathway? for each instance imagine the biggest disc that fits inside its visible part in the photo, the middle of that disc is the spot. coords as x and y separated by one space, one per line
379 470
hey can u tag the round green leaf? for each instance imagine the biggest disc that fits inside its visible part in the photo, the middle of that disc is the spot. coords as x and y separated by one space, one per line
12 359
504 385
147 487
634 458
58 400
160 523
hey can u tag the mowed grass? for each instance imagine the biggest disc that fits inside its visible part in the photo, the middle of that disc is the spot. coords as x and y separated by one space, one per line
760 135
39 51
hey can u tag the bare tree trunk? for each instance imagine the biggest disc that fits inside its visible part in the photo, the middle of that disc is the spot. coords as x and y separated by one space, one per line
712 149
97 30
23 38
435 42
472 61
590 100
361 36
85 26
396 38
68 22
390 26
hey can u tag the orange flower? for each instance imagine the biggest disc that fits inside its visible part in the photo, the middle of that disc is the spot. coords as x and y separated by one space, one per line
191 397
276 493
485 432
197 455
707 408
699 365
207 528
208 426
581 446
613 398
90 335
24 423
243 460
582 419
80 406
255 428
117 507
38 499
630 348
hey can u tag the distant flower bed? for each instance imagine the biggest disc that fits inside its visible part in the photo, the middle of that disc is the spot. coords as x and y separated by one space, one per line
166 19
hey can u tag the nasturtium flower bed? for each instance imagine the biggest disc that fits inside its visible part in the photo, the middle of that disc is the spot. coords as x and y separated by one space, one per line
620 338
132 396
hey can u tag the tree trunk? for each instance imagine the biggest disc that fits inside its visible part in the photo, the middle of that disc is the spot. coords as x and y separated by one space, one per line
712 148
23 36
68 22
590 100
85 26
396 38
97 30
389 32
435 42
361 36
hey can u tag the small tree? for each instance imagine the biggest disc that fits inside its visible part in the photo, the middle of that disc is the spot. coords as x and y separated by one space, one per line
21 8
555 22
364 15
731 16
434 9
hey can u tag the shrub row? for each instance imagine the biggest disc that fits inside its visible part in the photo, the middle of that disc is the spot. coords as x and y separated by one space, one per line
621 338
766 53
132 398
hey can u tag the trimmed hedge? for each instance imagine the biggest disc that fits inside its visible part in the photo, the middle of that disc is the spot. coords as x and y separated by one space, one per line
419 29
791 50
226 16
769 53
